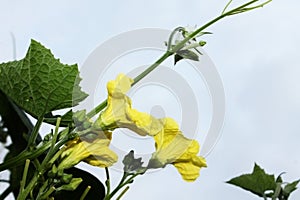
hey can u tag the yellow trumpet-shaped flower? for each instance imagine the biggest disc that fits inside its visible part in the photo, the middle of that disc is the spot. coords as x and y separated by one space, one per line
94 152
120 114
171 145
173 148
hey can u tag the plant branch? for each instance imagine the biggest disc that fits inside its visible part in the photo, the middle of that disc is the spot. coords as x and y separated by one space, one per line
34 133
171 51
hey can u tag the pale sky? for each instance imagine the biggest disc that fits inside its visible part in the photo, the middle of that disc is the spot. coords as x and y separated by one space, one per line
256 55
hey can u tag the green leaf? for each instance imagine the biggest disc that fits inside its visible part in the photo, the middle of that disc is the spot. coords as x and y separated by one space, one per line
185 54
289 188
39 83
258 182
66 119
132 164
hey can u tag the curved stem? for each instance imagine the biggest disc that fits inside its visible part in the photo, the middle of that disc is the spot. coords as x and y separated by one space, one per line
181 44
172 36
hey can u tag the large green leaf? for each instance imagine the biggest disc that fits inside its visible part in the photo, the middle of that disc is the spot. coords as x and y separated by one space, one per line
258 182
39 83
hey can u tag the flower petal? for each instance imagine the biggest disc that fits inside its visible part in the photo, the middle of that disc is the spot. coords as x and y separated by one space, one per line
173 148
95 152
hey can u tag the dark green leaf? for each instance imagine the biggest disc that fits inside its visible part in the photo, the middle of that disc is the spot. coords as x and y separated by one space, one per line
177 58
39 83
258 182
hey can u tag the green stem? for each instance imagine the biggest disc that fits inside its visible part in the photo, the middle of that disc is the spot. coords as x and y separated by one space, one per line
108 196
102 105
53 141
86 191
107 182
122 193
181 44
121 184
226 6
223 15
41 190
172 36
152 67
44 196
30 186
34 134
19 159
23 181
44 166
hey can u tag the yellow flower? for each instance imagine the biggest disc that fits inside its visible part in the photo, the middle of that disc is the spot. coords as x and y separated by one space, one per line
94 152
171 145
120 114
173 148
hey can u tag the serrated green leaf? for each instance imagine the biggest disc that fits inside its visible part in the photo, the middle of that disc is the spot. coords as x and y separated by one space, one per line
258 182
290 187
39 83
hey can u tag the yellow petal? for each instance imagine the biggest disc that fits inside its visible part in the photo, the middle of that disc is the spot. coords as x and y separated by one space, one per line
173 148
190 170
95 152
117 88
120 114
143 123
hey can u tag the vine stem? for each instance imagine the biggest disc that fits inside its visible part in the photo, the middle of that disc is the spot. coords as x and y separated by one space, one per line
35 133
180 45
53 154
123 182
122 193
19 159
102 105
23 181
86 191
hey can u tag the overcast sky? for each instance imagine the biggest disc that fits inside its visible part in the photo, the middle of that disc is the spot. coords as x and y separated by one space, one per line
256 55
